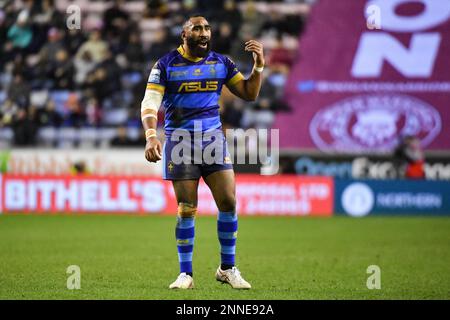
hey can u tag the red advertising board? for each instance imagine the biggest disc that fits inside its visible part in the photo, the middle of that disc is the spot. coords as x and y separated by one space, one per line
256 195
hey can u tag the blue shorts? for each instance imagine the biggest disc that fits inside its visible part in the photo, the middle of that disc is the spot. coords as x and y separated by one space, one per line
187 158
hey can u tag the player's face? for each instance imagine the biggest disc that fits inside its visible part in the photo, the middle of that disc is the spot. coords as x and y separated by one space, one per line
198 37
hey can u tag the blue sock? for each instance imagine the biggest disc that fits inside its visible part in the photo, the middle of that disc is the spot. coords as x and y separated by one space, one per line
184 233
227 225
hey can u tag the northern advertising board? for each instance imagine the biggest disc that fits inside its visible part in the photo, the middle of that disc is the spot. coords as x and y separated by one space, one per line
359 198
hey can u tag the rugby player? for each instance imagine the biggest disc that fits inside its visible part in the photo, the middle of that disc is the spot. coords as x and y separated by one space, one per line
188 83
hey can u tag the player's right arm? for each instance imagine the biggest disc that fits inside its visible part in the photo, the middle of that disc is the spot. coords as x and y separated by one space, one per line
149 113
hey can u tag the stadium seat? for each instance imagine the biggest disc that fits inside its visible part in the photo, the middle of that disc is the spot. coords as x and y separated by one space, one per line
6 137
67 137
88 137
133 133
60 98
115 116
2 96
105 135
47 136
38 98
5 79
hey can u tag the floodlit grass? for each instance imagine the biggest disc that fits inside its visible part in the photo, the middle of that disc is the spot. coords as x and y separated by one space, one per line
134 257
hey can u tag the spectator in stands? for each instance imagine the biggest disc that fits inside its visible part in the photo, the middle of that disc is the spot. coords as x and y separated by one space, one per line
224 39
24 127
122 140
49 51
160 45
95 46
19 91
10 13
79 168
259 116
8 110
47 59
93 112
105 78
188 8
3 37
83 65
232 12
20 33
44 16
229 13
115 18
281 23
73 40
61 70
252 20
48 116
156 9
231 115
76 115
410 158
134 53
208 7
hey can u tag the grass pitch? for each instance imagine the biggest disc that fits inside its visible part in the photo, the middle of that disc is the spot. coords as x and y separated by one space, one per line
131 257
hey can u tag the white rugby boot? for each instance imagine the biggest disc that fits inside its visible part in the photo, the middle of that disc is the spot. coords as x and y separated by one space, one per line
184 281
232 277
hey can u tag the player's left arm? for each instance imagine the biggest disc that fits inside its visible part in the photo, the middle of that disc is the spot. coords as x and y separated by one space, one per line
248 89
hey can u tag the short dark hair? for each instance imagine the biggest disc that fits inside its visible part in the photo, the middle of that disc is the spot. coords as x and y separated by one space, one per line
195 15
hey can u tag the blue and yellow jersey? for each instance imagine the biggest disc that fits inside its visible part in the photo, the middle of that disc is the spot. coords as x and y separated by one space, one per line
191 88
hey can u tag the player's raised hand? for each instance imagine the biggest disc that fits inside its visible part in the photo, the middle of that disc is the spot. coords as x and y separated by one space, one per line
153 150
257 49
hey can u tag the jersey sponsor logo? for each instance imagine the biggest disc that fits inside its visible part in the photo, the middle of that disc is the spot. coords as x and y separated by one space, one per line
178 74
210 62
197 72
178 64
198 86
154 76
212 71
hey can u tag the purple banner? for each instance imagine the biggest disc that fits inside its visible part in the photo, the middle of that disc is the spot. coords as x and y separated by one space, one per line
368 72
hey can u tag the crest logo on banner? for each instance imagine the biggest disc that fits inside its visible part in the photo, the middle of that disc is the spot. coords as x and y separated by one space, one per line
373 122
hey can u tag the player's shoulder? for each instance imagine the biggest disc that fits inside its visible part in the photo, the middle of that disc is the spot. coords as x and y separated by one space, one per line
219 57
165 60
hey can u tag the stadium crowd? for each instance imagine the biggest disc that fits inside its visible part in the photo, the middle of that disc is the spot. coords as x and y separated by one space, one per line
83 86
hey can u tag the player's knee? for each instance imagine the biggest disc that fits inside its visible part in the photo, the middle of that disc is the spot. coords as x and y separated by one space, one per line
187 210
227 204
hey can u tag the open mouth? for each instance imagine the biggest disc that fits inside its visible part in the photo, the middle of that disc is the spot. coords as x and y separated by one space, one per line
203 44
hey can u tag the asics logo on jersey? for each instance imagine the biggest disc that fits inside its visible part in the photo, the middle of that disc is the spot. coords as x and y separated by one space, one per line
198 86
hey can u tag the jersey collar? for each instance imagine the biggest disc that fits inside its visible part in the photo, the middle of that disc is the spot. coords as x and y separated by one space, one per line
185 55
